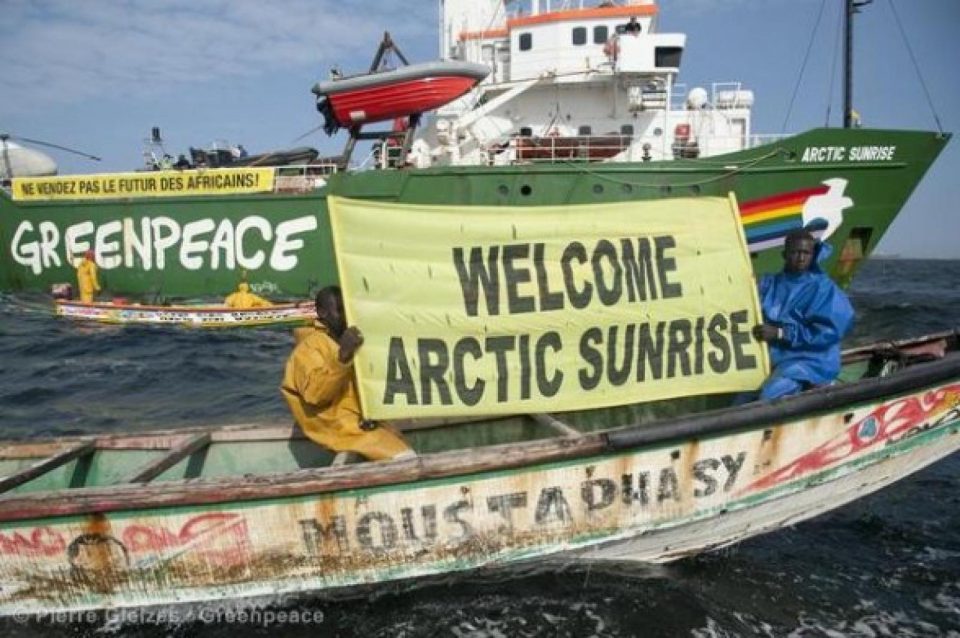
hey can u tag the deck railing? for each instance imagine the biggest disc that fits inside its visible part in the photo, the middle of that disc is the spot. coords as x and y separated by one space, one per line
302 178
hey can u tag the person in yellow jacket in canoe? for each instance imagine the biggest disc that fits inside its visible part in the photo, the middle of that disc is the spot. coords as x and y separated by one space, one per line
243 298
320 389
87 280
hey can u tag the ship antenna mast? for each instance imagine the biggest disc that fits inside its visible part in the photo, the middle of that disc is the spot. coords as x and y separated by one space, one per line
852 7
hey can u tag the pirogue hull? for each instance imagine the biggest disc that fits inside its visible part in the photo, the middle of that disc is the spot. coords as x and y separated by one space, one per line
192 515
187 316
851 182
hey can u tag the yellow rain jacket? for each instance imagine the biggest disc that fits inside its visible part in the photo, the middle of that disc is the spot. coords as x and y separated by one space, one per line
322 396
87 280
243 298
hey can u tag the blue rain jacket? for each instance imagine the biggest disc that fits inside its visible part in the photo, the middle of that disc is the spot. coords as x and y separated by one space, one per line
814 314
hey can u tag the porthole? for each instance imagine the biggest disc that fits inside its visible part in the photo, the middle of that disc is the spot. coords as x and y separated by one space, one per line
503 189
525 190
598 189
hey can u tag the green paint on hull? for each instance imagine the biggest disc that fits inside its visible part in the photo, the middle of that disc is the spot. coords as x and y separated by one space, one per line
282 242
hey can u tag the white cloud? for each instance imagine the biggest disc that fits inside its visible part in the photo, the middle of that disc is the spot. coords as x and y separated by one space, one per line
55 52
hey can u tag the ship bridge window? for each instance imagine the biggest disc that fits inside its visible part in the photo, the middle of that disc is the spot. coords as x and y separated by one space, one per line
579 35
626 129
668 56
600 34
526 131
526 41
584 130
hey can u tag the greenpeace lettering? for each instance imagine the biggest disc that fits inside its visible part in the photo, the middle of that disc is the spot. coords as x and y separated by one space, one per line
573 307
158 243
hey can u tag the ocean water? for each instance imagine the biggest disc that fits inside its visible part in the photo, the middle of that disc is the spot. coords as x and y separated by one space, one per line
886 565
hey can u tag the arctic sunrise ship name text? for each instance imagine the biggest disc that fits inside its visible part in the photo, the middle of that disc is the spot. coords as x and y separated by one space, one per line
149 242
816 154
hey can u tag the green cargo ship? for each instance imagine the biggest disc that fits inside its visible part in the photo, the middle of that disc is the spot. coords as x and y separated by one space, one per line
630 132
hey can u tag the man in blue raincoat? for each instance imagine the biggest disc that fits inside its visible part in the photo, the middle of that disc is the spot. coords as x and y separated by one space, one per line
805 315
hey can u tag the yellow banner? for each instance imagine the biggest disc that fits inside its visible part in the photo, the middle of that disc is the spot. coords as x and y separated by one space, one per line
496 310
217 181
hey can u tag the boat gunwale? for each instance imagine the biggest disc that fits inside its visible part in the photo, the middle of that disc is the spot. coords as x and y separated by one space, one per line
106 305
468 461
408 73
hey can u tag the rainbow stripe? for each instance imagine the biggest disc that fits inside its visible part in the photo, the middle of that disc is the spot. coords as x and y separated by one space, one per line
767 220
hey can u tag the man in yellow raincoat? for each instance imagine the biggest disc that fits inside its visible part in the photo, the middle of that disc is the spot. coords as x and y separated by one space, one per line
243 298
319 387
87 280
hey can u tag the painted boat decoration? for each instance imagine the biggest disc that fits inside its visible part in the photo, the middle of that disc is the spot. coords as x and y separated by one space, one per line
386 95
256 510
190 316
628 131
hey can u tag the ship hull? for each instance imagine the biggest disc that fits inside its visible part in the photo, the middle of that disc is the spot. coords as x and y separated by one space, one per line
848 183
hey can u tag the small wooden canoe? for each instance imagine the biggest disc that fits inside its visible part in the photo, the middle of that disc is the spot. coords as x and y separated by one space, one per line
385 95
254 510
191 316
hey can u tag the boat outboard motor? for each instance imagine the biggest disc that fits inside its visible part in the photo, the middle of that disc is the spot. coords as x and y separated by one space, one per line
61 291
330 124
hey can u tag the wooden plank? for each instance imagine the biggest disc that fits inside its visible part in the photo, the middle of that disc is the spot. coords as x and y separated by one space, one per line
155 440
174 456
407 425
44 466
342 458
555 424
314 481
260 433
34 450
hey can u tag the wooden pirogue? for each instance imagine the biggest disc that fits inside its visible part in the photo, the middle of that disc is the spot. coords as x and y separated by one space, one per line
230 512
192 316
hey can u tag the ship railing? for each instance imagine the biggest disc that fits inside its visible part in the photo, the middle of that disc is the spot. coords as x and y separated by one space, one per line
766 138
612 147
721 96
302 178
371 160
588 148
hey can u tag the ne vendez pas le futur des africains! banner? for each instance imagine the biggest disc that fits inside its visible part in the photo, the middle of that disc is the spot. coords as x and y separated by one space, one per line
145 184
494 310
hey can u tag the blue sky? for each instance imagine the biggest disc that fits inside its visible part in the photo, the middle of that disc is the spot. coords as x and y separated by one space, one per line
96 75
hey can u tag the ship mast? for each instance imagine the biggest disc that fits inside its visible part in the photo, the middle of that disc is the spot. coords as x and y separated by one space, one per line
852 7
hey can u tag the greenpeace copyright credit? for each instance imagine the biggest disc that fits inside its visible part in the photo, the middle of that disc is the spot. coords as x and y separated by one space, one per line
213 616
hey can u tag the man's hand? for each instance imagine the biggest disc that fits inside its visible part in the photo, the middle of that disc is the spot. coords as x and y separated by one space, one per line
350 340
766 332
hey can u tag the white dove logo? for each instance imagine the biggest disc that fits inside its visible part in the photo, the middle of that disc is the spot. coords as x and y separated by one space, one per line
823 214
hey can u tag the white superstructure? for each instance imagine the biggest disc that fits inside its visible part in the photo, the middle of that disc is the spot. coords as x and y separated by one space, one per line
575 80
